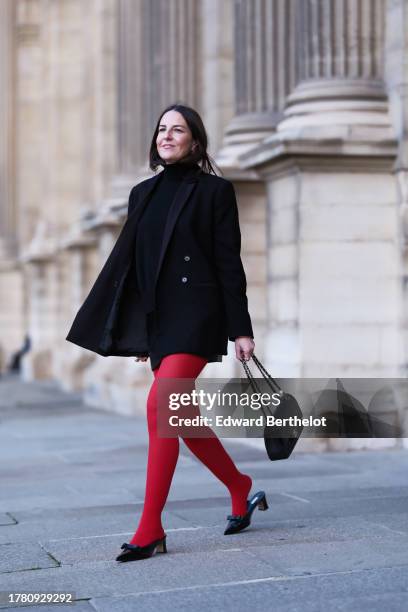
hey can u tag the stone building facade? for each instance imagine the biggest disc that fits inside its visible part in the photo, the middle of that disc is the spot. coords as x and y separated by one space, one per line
305 106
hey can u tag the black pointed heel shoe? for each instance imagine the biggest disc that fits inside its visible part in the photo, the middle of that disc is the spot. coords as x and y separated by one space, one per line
237 522
132 552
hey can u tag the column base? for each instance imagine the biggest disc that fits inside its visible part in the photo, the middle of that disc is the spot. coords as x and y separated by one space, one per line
342 102
242 134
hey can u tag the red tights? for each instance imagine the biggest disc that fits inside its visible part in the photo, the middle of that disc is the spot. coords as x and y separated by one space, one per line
163 454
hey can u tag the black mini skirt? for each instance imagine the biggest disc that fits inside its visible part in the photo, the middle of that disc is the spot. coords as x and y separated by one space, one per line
156 356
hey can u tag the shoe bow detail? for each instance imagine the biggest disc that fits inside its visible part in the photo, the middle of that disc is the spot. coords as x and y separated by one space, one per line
235 517
133 552
237 522
126 546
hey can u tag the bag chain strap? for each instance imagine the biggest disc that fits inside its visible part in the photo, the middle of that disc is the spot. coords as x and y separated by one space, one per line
248 372
272 384
252 382
266 375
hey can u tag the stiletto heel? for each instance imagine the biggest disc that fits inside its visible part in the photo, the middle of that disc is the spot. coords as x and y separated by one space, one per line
237 522
263 504
161 547
133 552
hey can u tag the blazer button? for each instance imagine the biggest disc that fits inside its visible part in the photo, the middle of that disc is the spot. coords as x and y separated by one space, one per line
184 279
186 258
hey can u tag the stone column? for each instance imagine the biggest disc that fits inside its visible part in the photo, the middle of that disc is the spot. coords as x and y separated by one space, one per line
216 96
129 83
340 49
11 285
265 72
157 65
170 60
92 119
333 259
7 212
396 76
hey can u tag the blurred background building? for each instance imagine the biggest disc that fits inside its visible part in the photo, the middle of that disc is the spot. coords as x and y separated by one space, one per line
305 103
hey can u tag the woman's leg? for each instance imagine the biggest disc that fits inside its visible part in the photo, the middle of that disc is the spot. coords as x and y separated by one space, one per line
211 452
209 449
163 452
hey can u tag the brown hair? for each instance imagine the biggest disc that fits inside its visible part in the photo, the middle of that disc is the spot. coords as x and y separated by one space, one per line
196 125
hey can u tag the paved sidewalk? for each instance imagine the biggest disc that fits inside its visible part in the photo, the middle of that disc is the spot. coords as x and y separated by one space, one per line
72 478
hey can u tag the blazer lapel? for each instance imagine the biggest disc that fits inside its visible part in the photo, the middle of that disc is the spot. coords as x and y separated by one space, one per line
179 201
139 206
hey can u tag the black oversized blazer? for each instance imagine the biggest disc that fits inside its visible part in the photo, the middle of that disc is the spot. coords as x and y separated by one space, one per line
200 284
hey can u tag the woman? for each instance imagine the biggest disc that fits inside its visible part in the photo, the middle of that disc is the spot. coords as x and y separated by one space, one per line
179 295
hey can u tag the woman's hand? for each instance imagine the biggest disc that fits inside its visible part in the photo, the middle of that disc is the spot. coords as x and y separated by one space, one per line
244 347
141 358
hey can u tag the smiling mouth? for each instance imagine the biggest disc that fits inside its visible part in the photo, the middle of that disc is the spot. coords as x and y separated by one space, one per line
167 146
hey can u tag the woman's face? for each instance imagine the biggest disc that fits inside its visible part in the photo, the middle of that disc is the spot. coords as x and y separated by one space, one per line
174 139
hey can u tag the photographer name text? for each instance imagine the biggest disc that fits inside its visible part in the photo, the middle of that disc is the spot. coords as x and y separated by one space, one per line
230 421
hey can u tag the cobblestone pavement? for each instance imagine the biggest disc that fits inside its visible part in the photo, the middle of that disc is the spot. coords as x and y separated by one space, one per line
335 536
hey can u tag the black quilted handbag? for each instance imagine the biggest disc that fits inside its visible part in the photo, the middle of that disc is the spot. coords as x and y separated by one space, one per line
279 441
